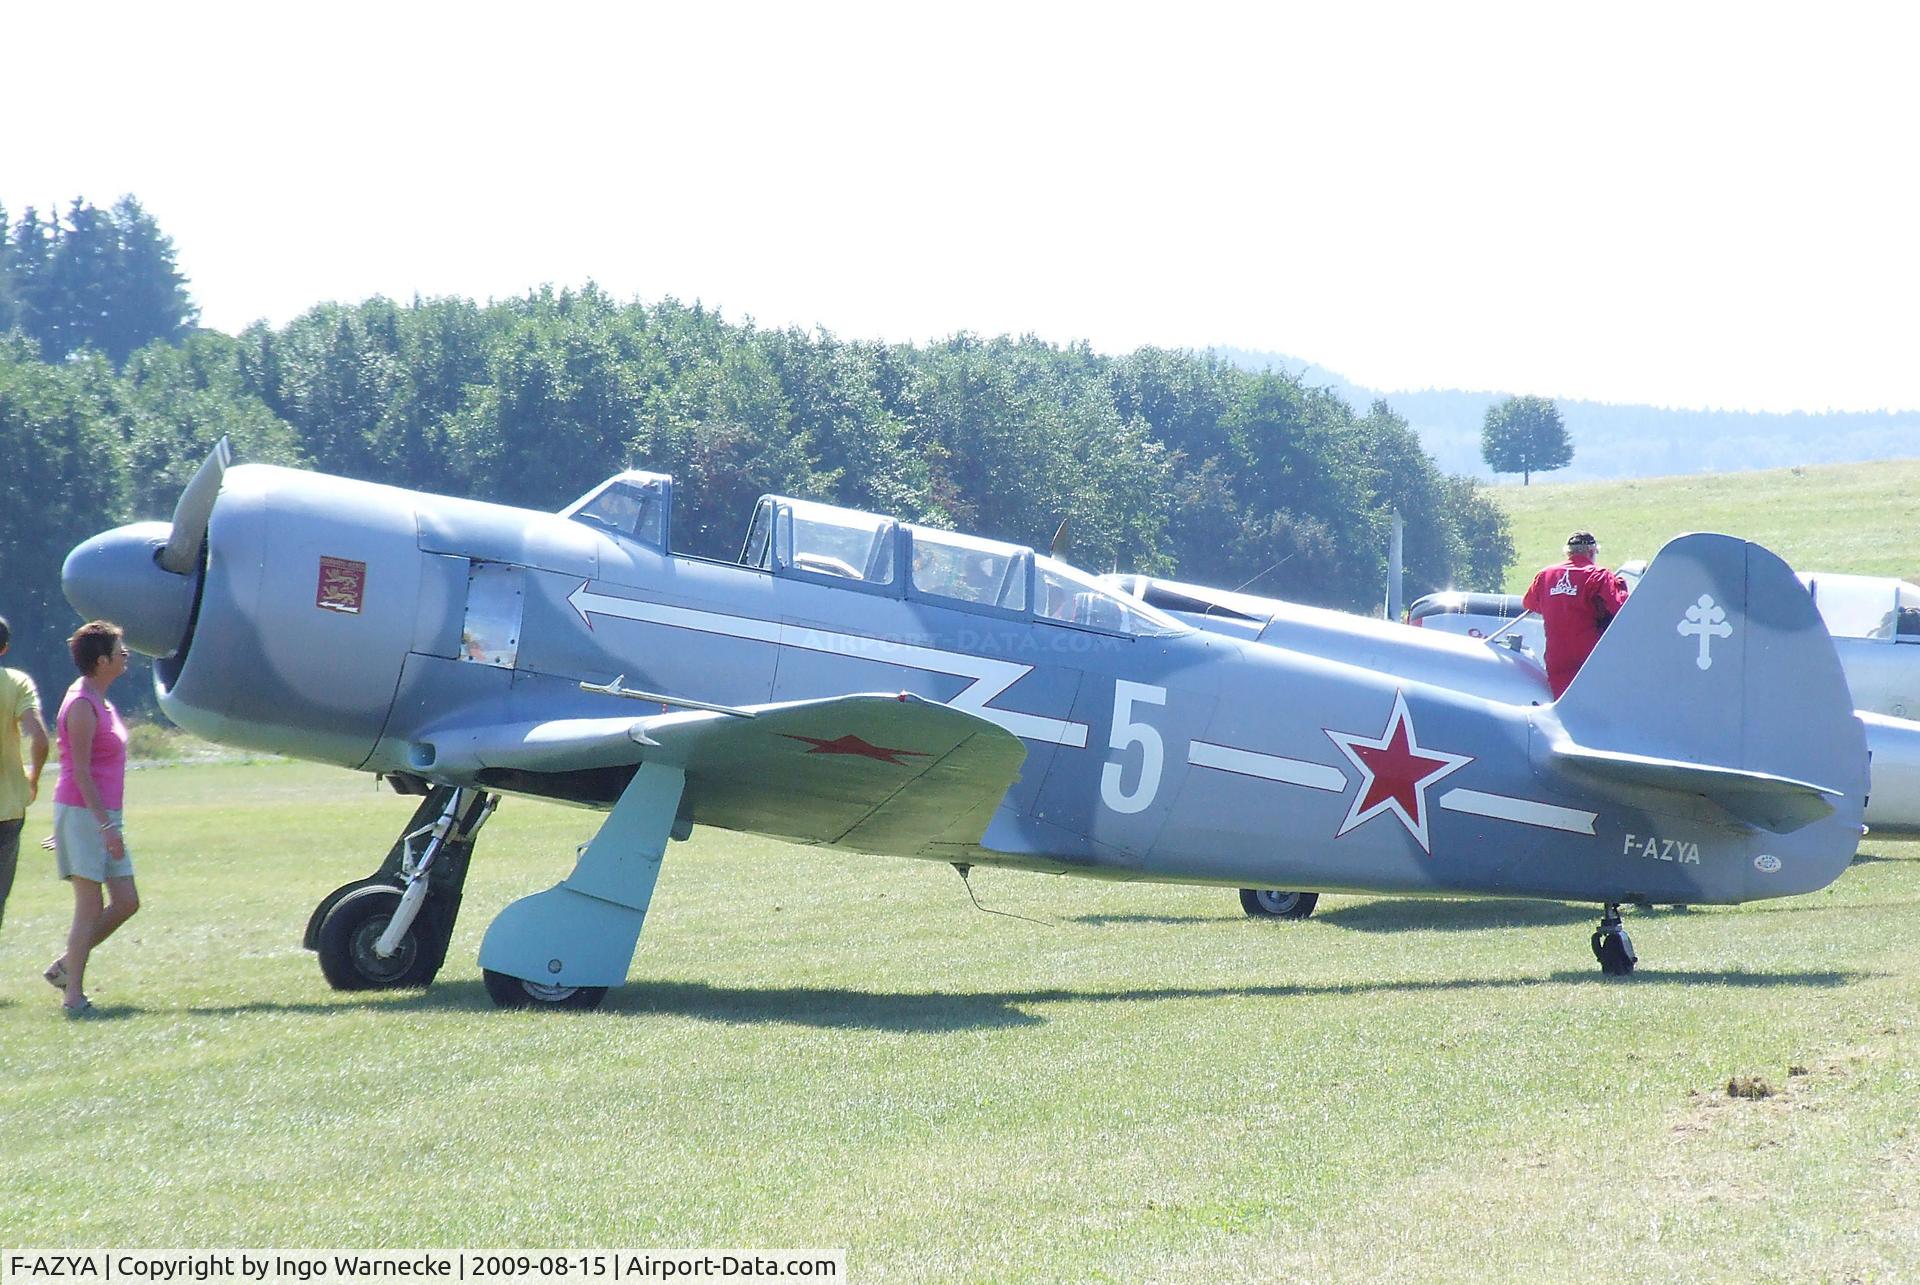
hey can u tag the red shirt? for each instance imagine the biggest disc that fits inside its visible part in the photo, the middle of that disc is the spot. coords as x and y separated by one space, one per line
1576 599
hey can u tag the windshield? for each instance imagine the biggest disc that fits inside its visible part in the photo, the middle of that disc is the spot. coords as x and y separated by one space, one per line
628 505
1071 596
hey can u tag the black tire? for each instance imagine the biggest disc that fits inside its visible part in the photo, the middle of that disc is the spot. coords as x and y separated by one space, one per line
515 992
346 941
1615 953
1271 903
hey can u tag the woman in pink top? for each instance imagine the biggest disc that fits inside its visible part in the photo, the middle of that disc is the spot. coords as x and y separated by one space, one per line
88 844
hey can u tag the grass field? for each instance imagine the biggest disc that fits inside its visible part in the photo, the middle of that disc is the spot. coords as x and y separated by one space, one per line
1834 517
818 1050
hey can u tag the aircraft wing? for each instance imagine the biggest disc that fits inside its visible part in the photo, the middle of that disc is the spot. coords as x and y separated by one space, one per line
874 773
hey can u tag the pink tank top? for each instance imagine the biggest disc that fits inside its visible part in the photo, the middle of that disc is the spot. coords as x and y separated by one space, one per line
109 757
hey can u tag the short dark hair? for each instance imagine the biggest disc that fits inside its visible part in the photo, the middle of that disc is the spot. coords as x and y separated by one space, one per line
6 634
93 642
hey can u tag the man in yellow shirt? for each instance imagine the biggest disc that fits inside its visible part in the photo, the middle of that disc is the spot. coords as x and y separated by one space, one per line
19 783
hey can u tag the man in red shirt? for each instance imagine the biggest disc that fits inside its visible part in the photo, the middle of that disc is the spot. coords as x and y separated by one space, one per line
1576 599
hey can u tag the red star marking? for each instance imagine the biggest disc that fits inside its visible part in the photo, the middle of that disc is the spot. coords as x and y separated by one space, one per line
851 744
1394 773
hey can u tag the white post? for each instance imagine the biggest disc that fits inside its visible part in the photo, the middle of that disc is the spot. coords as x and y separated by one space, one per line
1395 572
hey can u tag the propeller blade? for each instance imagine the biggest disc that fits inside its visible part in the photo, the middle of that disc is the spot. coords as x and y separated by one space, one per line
191 515
1061 541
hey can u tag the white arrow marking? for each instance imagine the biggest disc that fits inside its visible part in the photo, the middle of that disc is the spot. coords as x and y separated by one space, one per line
990 677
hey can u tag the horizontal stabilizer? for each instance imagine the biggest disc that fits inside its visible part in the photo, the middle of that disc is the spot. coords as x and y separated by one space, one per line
1777 803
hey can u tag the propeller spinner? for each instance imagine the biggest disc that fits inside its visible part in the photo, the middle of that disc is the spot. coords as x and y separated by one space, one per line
142 576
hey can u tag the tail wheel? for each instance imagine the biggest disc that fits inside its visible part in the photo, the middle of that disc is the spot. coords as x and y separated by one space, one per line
1615 952
517 992
347 938
1271 903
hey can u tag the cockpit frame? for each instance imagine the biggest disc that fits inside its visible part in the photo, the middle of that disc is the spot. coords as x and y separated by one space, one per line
871 553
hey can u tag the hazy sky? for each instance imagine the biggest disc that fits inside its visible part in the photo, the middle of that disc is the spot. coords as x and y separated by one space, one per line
1690 205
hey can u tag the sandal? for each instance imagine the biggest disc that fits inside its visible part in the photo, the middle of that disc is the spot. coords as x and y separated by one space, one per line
55 974
84 1008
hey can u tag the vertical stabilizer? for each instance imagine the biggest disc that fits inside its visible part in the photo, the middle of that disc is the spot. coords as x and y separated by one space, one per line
1720 660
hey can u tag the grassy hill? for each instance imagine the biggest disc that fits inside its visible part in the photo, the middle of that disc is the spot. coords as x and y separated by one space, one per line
1834 517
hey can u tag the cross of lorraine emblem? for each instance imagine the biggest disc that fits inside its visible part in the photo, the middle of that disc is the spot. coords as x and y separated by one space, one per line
1706 620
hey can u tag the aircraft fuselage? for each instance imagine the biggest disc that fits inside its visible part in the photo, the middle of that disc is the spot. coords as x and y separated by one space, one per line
362 625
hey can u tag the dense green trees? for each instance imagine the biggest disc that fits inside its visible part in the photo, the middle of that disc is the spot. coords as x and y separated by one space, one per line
1161 461
1524 435
104 280
63 476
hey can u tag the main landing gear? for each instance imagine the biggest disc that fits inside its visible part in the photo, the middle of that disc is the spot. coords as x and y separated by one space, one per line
1270 903
561 948
390 930
1611 946
564 947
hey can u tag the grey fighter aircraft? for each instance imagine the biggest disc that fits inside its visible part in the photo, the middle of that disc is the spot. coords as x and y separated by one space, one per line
872 686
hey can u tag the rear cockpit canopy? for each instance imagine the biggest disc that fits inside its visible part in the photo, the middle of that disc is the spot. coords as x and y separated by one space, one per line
802 540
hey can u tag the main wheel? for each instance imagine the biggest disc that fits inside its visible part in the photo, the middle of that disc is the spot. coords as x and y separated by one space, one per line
517 992
347 937
1270 903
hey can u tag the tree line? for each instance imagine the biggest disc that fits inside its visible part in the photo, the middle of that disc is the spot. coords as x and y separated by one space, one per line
1161 461
99 279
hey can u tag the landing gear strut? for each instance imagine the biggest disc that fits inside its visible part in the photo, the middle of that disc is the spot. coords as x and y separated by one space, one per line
390 930
1611 946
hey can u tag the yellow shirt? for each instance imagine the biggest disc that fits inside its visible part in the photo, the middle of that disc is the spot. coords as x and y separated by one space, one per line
18 698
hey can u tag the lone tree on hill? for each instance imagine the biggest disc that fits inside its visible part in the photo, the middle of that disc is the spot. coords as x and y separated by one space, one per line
1524 435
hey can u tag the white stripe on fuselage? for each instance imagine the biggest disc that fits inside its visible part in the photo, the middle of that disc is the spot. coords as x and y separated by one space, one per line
1319 776
990 677
1269 767
1502 807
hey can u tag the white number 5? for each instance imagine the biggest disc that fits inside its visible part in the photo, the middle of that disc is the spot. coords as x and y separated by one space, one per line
1127 733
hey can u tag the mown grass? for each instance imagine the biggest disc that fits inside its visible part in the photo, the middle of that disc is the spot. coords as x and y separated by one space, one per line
822 1050
1833 517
